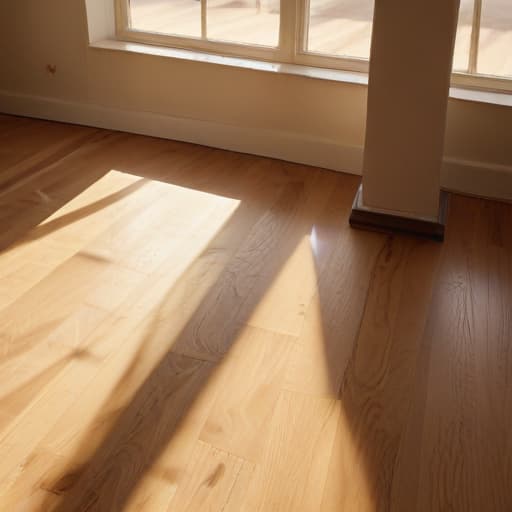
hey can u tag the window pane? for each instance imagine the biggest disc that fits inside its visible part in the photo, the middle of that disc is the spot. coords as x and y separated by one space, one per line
244 21
178 17
340 27
463 41
495 48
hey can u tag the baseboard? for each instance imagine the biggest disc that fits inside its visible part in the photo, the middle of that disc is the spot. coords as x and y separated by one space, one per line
481 179
292 147
475 178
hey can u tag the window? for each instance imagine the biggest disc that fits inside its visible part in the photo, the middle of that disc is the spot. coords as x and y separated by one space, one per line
483 49
325 33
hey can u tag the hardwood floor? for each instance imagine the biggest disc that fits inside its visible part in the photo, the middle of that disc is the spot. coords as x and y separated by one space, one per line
189 329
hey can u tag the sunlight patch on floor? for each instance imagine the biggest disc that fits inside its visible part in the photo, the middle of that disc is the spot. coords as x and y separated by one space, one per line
107 287
284 303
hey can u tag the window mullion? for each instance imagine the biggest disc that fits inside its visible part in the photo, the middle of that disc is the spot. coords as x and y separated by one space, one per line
122 15
303 30
288 28
204 24
475 37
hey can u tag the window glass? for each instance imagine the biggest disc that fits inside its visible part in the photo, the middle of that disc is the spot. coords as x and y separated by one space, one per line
463 40
254 22
340 27
175 17
495 43
244 21
336 28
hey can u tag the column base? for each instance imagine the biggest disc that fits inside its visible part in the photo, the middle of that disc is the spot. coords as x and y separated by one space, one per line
364 217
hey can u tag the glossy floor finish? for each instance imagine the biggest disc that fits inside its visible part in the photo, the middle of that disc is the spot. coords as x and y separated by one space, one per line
189 329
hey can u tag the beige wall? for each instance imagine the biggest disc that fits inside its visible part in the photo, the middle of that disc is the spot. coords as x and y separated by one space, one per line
34 33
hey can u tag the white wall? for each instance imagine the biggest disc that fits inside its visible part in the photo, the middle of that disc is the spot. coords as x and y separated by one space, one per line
34 33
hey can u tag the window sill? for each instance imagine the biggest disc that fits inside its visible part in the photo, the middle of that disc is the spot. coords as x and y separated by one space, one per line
334 75
478 96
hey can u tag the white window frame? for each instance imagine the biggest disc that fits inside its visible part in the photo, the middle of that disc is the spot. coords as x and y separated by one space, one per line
471 79
293 32
291 48
282 53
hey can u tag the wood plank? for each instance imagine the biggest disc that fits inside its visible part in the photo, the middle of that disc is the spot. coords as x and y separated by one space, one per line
293 471
378 381
212 474
254 369
184 328
121 444
94 281
78 374
25 144
8 122
287 298
24 208
457 451
253 269
140 433
333 317
17 175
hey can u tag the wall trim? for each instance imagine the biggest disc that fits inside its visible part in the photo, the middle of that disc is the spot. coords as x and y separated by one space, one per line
289 146
481 179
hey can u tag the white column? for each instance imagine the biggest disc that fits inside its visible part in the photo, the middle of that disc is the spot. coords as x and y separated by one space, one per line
410 67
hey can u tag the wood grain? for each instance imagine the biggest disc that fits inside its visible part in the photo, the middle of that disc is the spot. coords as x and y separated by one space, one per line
376 390
459 436
212 474
293 468
239 421
187 329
